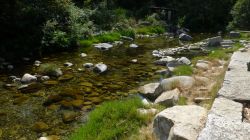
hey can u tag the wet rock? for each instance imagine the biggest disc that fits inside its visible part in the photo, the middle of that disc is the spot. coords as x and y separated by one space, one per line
133 46
37 63
30 88
83 55
180 122
66 104
77 103
100 68
183 82
68 64
40 127
134 60
150 91
53 99
168 98
95 100
52 137
28 78
234 34
184 61
20 100
69 116
45 78
50 83
185 37
88 65
65 77
86 84
103 46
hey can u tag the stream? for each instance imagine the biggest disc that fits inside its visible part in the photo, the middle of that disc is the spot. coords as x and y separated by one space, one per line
53 108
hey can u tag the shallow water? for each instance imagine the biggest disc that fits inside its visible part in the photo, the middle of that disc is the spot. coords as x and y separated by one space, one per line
19 112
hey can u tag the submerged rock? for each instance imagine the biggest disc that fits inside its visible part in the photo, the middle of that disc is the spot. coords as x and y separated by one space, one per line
30 88
40 127
69 116
180 122
28 78
66 77
100 68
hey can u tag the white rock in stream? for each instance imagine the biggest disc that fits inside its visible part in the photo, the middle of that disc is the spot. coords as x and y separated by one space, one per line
133 46
37 63
83 55
100 68
68 64
28 78
103 46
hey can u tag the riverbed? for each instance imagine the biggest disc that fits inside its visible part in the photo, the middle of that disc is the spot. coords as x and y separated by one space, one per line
74 97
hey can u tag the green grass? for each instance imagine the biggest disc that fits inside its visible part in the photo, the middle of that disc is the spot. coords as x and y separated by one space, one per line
112 120
128 33
183 70
182 101
108 37
150 30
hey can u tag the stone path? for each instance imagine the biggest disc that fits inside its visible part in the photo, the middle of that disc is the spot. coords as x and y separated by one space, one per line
225 117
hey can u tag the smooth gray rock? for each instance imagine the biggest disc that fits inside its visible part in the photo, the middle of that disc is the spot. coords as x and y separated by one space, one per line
28 78
185 37
180 122
183 82
168 98
184 61
150 91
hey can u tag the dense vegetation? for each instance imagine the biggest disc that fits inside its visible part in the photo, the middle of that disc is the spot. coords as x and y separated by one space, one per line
29 28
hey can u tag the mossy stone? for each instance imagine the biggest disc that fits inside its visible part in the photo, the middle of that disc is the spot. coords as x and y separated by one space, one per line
20 100
50 83
40 127
86 84
66 77
77 103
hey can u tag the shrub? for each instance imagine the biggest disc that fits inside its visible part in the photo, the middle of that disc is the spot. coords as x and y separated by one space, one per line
108 37
183 70
112 120
127 32
48 69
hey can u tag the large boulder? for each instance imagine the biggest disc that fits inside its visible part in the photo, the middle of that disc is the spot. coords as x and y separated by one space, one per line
214 41
183 82
168 98
28 78
185 37
180 123
100 68
150 91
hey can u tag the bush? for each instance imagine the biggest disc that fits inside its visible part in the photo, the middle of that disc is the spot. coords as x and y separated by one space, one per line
183 70
127 32
48 69
150 30
112 120
241 15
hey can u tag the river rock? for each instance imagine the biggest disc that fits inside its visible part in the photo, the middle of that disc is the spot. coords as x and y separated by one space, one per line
234 34
45 78
185 37
134 60
168 98
83 55
52 137
100 68
164 61
50 82
183 82
184 60
133 46
66 77
103 46
214 41
37 63
30 88
88 65
150 91
68 64
28 78
40 127
69 116
117 43
180 122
